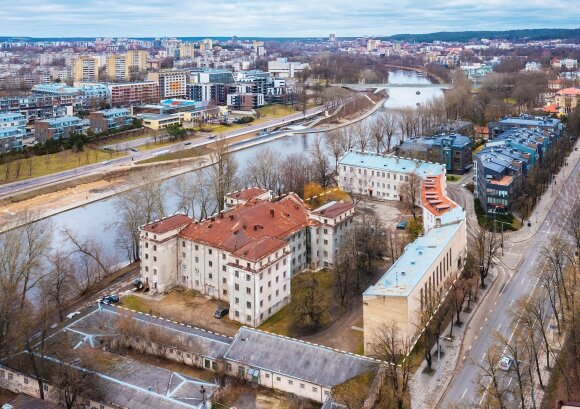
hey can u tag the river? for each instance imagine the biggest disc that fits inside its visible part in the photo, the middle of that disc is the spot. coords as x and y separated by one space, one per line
95 219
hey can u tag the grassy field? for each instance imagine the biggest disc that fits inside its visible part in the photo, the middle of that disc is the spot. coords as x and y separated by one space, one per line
135 303
44 165
453 178
183 154
283 321
276 111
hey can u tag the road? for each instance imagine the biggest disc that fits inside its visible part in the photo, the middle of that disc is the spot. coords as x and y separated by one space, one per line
496 312
17 187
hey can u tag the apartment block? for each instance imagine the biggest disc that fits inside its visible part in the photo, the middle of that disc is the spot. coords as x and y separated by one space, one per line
85 68
545 123
110 119
172 83
568 98
59 128
245 102
12 131
451 150
245 255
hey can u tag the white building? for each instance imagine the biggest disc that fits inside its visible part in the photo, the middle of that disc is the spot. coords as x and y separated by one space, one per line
283 68
418 278
381 176
247 254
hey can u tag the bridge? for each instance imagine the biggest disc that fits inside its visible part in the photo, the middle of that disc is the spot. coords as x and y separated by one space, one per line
360 87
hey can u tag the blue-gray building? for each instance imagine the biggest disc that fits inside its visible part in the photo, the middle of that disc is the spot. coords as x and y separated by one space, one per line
544 123
452 150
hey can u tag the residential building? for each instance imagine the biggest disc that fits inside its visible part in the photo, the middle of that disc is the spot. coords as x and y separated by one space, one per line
159 121
451 150
525 121
211 76
245 255
503 164
58 128
35 107
12 131
283 68
184 109
381 176
135 61
567 63
567 99
186 50
245 101
126 94
533 66
417 279
85 68
116 67
172 83
110 119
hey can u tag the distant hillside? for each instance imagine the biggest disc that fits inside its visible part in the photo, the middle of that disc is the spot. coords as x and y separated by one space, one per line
465 36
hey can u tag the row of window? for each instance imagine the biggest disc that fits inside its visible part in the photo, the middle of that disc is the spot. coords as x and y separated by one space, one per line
385 175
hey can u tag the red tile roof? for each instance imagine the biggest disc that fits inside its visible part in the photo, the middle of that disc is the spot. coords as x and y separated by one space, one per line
333 210
433 196
169 223
244 225
569 91
260 248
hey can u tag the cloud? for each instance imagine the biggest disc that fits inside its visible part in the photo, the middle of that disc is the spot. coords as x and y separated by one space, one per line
151 18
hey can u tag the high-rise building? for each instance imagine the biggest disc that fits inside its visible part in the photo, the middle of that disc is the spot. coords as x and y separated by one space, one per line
120 67
172 83
187 50
85 68
332 38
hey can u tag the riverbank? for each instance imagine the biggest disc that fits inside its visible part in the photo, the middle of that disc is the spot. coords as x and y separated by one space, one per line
126 177
438 79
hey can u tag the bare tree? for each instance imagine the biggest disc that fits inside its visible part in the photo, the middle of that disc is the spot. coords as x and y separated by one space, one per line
58 286
263 170
389 125
490 381
223 171
487 247
334 144
394 349
361 135
515 348
410 193
89 248
320 163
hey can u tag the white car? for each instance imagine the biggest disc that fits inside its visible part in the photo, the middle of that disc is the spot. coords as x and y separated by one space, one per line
73 314
505 363
463 185
106 162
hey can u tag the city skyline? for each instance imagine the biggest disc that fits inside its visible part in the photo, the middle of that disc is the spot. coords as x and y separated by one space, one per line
151 18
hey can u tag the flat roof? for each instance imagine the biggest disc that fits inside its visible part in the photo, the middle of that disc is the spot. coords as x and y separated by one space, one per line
417 259
530 121
391 163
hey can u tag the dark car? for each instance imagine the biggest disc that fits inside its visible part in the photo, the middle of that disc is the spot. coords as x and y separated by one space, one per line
221 312
402 225
110 299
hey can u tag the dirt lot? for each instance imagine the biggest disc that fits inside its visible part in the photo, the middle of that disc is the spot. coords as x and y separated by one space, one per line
389 212
183 306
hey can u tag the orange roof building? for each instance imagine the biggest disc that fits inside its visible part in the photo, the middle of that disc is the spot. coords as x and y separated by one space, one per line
245 255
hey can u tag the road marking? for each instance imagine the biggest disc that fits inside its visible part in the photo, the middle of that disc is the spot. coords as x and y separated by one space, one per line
509 383
475 339
483 357
464 392
512 301
499 326
480 328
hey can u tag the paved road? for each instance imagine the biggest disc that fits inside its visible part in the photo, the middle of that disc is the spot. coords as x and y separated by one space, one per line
12 188
495 313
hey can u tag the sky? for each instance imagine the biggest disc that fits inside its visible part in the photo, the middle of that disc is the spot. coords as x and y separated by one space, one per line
270 18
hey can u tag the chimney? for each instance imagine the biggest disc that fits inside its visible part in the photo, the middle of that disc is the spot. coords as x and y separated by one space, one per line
231 217
272 212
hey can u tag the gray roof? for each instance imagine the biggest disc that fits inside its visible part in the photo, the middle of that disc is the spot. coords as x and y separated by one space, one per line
296 359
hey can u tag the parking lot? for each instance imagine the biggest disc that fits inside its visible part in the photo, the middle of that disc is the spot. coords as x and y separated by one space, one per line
390 212
183 306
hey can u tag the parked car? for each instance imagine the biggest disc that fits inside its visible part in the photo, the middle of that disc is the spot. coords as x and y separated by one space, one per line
73 314
106 162
221 312
505 363
134 150
402 225
187 143
463 185
110 299
211 137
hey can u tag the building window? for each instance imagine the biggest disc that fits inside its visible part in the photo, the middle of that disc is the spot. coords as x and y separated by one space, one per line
210 251
26 381
237 275
210 276
248 277
248 291
278 379
261 303
210 263
146 245
196 247
237 314
267 375
248 304
236 300
237 287
301 386
183 243
248 318
154 258
290 382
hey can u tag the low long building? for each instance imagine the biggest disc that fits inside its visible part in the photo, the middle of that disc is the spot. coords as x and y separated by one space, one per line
59 128
451 150
416 279
247 255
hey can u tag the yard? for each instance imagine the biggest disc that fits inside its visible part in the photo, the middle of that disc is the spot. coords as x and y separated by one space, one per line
183 306
47 164
275 111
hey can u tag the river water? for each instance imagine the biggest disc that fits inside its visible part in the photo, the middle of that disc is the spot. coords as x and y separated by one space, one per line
96 219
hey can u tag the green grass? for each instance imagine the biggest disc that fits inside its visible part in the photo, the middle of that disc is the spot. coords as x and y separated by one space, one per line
452 178
276 111
36 166
134 303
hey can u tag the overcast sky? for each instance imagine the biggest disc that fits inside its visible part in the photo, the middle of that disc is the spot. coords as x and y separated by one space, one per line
270 18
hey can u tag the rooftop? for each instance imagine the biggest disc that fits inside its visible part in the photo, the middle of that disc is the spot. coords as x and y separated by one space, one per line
240 228
247 194
114 111
416 260
332 209
433 195
528 120
168 223
569 91
391 163
296 359
62 120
